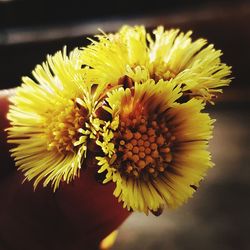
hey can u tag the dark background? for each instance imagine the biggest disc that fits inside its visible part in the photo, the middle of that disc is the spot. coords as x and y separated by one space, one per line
218 216
31 29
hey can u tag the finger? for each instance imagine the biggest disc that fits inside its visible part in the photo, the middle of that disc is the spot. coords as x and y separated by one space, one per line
78 216
92 204
6 164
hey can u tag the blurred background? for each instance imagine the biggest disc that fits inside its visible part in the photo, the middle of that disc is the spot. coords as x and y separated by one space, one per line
218 216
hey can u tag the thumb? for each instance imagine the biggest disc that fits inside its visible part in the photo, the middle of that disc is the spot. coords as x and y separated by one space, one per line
6 165
77 216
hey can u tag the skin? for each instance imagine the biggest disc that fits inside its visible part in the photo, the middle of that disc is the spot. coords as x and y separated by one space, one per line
77 216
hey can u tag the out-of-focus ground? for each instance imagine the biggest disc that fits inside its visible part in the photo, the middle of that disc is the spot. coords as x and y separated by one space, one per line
217 217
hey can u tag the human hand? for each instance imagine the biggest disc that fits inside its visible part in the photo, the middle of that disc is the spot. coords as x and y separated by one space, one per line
77 216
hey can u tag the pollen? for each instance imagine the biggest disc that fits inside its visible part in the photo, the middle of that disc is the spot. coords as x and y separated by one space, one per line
62 125
145 146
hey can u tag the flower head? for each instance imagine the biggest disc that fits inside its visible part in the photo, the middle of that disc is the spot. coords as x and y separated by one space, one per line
169 55
49 121
135 101
194 64
157 153
114 55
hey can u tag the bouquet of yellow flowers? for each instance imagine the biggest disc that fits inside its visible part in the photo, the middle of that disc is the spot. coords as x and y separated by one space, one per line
132 102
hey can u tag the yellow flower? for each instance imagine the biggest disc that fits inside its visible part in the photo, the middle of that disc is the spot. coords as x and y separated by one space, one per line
114 55
48 120
157 154
171 55
196 65
122 99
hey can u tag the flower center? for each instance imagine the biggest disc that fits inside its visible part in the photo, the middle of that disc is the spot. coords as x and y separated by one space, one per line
144 146
164 72
62 126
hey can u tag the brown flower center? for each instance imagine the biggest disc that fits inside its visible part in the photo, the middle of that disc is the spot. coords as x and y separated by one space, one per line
143 146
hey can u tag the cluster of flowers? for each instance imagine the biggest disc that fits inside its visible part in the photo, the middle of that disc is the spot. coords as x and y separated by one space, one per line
130 100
